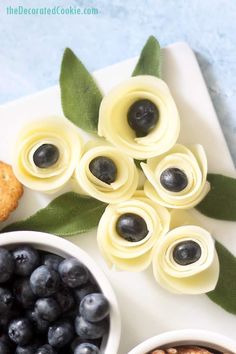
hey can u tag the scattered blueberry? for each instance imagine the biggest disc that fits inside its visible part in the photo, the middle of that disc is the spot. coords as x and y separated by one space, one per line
20 331
39 324
6 265
142 117
104 169
46 155
94 307
60 334
44 281
65 299
173 179
45 349
88 330
73 273
131 227
37 289
4 348
84 290
86 348
28 349
47 309
6 300
24 293
26 260
52 261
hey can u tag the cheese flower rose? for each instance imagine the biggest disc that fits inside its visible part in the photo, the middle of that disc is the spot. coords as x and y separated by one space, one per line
185 261
177 179
128 231
140 117
46 154
106 174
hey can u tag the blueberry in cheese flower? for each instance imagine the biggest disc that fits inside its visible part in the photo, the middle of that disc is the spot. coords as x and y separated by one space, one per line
131 227
187 252
104 169
173 179
143 116
46 156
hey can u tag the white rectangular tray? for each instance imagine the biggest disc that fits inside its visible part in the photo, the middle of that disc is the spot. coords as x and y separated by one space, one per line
146 309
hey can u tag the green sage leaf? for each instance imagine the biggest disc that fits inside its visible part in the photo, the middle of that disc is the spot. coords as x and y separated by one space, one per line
149 62
220 202
67 215
80 95
225 292
138 162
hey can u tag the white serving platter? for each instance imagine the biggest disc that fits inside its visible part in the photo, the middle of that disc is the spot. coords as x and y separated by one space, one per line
146 309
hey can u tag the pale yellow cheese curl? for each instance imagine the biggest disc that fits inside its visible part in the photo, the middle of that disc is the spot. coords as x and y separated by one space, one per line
51 130
113 124
193 162
127 175
123 254
196 278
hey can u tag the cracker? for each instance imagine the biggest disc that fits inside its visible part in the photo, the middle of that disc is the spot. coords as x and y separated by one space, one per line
10 191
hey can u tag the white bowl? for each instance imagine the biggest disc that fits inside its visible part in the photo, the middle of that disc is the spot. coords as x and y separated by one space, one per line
64 248
187 337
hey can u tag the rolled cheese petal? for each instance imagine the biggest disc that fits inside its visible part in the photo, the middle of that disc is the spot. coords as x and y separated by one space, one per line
127 175
193 162
113 124
51 130
128 255
196 278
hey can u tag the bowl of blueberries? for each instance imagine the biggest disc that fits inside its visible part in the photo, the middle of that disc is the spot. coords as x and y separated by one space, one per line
53 298
186 341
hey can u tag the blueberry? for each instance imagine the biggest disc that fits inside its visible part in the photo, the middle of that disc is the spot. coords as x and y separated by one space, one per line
24 293
4 348
77 341
45 349
47 309
60 334
84 290
20 331
173 179
86 348
38 323
52 261
27 349
187 252
8 316
26 260
131 227
6 300
46 155
88 330
142 117
44 281
73 273
65 299
94 307
6 265
104 169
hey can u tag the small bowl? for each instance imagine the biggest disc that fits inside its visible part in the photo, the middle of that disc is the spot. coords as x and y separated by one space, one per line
64 248
187 337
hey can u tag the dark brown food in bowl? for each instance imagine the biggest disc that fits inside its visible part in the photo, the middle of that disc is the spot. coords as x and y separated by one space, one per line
186 349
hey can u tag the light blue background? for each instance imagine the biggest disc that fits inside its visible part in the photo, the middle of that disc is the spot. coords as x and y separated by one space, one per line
31 47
